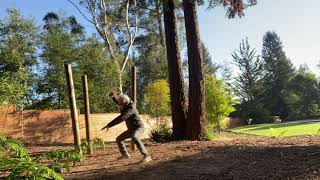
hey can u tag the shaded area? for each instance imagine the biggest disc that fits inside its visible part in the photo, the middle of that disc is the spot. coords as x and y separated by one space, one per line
244 157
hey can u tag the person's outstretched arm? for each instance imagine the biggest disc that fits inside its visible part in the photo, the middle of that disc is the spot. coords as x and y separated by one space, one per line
122 117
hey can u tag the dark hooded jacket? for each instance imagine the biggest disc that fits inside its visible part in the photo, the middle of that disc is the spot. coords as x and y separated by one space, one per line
130 115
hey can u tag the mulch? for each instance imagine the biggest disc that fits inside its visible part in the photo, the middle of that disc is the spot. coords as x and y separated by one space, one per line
238 157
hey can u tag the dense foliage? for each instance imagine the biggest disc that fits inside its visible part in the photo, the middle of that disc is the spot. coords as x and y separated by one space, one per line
219 103
157 99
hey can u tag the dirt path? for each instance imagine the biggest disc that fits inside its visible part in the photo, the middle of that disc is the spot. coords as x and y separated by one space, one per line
243 157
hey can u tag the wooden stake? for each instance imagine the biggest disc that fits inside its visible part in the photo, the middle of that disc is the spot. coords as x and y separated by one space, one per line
22 124
73 107
133 93
87 112
134 84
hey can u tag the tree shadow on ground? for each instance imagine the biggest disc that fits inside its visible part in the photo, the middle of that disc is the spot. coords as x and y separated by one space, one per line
224 162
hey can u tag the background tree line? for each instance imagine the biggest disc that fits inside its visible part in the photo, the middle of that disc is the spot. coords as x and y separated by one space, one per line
269 85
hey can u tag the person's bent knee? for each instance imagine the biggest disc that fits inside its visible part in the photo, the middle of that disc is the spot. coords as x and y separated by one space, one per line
134 139
118 140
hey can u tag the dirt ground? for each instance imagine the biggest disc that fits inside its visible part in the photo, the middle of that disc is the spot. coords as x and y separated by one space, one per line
234 157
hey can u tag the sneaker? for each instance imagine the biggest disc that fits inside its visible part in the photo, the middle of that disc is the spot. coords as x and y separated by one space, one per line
146 159
124 157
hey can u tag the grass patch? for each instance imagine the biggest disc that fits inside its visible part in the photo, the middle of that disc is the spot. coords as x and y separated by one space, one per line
294 128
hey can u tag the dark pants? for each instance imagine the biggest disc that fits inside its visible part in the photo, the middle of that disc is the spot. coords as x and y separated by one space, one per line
134 135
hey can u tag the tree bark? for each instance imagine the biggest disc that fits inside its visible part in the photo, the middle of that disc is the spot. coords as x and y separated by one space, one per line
177 93
159 18
196 111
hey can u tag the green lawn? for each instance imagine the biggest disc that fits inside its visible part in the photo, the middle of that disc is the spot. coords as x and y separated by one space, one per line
294 128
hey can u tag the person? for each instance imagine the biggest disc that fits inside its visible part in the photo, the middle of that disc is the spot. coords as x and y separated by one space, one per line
135 127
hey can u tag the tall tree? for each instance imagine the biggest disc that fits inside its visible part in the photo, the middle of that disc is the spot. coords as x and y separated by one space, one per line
150 52
248 83
117 24
101 72
196 110
251 69
17 57
60 42
196 116
278 71
177 93
210 66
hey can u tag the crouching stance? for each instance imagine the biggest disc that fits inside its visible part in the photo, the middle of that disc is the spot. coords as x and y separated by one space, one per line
131 116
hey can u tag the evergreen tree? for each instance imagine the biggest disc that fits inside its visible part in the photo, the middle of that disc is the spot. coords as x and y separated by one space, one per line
250 66
278 71
248 83
210 66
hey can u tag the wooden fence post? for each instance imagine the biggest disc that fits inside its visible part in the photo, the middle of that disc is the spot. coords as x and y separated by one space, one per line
22 124
87 111
73 107
133 92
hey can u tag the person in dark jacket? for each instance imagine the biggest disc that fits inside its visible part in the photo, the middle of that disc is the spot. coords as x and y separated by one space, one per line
131 116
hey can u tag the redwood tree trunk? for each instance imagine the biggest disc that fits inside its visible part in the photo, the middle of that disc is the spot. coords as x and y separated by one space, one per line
196 111
177 93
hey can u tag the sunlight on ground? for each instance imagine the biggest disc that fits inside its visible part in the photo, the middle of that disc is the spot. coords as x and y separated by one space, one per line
294 128
222 138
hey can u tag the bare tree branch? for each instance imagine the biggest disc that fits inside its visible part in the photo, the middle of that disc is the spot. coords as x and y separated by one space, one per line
80 11
132 37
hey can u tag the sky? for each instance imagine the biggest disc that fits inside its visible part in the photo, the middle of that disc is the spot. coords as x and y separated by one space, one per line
295 21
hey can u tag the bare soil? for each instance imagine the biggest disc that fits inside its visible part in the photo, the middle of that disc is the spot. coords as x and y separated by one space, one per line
234 157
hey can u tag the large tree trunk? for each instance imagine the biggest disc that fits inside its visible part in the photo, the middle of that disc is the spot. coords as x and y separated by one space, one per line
159 18
177 93
196 111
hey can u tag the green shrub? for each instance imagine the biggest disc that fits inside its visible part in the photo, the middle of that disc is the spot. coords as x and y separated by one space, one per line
208 132
219 102
157 98
161 133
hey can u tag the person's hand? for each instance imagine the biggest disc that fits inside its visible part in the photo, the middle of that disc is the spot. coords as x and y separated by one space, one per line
106 127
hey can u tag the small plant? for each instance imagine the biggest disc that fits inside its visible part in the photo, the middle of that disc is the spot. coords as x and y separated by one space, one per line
162 133
277 134
13 147
318 131
15 159
27 169
62 159
97 143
